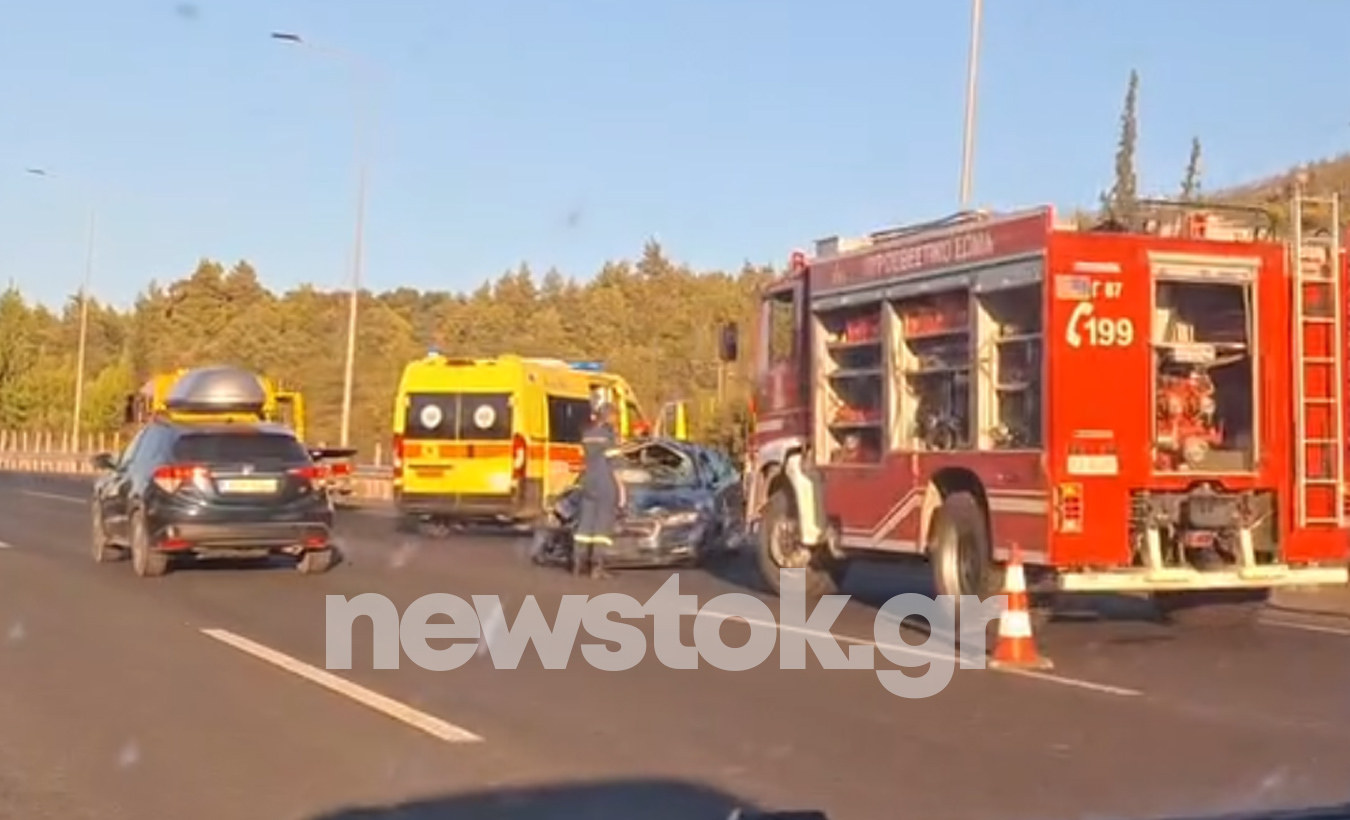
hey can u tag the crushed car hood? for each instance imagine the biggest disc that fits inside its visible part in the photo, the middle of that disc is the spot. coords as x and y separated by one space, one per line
647 501
655 502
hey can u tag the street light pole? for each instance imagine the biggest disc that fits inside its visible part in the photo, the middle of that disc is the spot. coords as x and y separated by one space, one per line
353 301
82 344
358 240
972 77
84 330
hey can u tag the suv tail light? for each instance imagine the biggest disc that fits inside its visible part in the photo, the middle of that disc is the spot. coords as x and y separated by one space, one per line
171 477
518 458
341 468
314 473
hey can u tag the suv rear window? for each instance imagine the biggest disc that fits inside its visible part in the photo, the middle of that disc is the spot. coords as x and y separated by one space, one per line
458 416
248 447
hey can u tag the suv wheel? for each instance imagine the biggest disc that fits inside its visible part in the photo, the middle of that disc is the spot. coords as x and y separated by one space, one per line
146 561
104 551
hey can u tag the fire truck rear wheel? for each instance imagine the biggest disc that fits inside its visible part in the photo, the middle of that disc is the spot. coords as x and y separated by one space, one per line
779 542
1212 608
959 549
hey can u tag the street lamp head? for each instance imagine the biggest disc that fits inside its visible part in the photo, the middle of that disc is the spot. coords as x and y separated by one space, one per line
287 37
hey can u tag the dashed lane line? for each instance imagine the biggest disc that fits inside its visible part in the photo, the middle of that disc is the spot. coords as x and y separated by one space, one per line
389 707
69 499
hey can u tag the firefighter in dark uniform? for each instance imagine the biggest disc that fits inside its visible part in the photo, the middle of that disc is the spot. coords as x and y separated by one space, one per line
601 495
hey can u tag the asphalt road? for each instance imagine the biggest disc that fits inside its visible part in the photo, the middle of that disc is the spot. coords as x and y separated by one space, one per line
201 694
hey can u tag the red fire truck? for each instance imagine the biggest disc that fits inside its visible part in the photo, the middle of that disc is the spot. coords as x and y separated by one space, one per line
1154 408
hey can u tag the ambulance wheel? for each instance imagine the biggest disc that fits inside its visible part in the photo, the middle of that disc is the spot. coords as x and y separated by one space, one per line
1212 608
316 562
436 527
780 547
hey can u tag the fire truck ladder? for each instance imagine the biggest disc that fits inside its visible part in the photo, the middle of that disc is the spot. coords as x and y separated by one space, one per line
1319 378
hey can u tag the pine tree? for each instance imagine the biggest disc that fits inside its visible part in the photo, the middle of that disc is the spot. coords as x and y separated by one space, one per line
1120 204
1190 183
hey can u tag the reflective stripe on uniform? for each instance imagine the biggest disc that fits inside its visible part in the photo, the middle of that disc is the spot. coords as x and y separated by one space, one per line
603 540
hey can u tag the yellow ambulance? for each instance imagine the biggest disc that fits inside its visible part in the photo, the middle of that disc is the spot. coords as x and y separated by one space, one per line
496 439
486 439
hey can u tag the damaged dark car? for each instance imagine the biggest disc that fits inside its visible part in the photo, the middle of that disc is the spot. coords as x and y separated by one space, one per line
684 505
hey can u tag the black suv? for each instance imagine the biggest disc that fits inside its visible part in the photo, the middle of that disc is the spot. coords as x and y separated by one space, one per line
211 490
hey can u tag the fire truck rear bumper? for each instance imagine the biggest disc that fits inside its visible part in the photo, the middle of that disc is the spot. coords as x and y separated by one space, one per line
1142 580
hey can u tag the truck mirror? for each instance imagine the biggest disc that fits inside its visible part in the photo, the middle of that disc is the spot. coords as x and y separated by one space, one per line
729 347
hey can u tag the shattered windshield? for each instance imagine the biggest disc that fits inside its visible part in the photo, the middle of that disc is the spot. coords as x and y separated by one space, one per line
658 466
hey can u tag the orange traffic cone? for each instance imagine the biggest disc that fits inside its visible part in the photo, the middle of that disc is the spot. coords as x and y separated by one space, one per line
1016 646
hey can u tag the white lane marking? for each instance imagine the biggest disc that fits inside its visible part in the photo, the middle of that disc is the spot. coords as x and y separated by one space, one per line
56 497
4 546
1090 685
389 707
1093 686
1325 630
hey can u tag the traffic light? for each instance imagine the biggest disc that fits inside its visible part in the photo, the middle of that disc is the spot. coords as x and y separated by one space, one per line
729 345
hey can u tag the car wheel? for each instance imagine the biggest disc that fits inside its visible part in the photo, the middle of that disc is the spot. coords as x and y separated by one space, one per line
713 548
104 551
316 562
146 561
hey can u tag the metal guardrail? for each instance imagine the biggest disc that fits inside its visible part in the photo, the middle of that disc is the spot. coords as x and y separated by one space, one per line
369 481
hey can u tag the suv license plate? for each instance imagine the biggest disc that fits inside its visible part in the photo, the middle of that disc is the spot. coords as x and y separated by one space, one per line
248 485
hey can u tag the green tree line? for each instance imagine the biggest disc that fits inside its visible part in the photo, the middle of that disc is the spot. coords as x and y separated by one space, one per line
653 321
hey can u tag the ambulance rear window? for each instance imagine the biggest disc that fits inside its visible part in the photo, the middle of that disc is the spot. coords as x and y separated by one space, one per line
458 416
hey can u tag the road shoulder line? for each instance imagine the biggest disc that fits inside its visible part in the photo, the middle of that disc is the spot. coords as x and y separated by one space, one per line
1321 629
1047 677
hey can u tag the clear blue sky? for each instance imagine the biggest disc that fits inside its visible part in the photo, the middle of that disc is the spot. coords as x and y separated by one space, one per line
566 133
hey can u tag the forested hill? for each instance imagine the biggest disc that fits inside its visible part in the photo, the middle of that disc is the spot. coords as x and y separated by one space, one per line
654 321
1322 177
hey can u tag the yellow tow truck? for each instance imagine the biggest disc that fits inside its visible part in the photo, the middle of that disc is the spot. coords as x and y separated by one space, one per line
283 406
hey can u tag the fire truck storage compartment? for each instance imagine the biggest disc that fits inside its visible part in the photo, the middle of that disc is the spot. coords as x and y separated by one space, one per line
1204 376
850 384
1010 369
933 356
